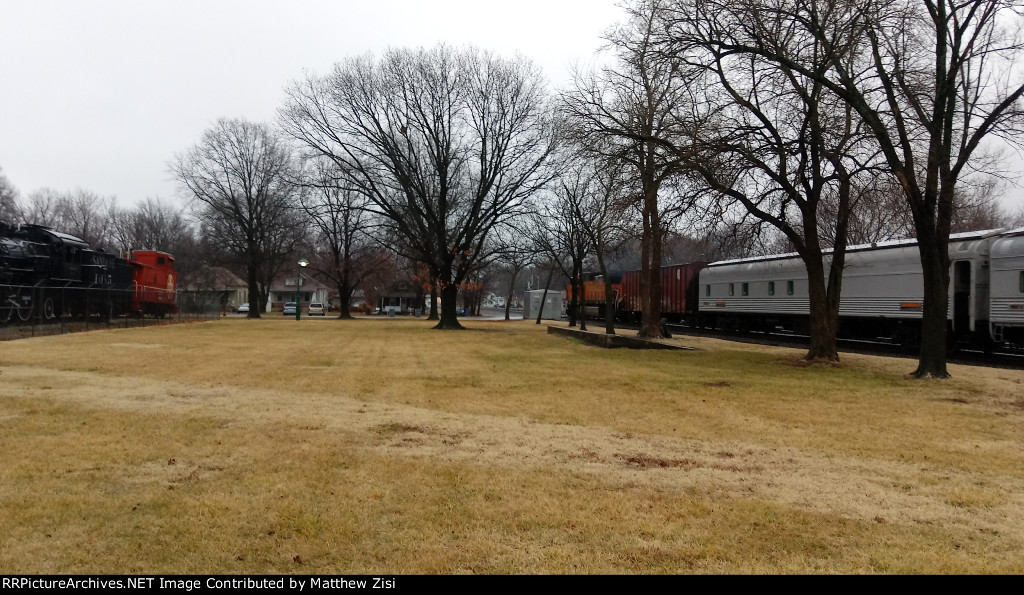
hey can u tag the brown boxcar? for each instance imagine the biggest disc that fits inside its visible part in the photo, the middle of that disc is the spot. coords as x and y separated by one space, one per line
678 291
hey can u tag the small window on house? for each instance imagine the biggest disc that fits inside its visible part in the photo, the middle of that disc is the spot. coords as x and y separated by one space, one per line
789 288
731 290
771 288
745 288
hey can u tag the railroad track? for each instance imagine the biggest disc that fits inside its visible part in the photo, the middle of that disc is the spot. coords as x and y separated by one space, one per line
966 356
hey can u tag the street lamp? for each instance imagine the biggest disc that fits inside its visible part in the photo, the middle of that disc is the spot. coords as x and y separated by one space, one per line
298 286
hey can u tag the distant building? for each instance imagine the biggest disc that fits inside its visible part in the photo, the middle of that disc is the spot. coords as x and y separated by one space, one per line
554 305
358 299
212 288
402 297
283 289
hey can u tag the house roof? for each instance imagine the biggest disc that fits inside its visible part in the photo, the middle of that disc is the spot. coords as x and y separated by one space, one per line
284 283
214 278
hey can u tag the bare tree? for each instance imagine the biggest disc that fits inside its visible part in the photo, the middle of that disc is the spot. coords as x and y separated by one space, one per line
515 250
152 224
80 212
932 81
627 112
560 235
237 177
976 206
882 211
781 145
603 215
1015 219
87 215
10 211
44 206
342 222
445 144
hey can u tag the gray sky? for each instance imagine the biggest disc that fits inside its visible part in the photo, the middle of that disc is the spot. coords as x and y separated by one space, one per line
100 94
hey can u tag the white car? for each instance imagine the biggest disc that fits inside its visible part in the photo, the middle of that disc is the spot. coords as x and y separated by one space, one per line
316 309
244 308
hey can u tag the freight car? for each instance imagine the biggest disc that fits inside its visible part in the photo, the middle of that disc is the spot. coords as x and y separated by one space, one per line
46 274
882 292
678 293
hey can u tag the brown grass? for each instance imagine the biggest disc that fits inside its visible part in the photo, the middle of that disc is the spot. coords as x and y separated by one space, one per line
377 446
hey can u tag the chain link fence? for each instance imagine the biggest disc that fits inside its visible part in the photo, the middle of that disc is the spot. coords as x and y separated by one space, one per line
40 311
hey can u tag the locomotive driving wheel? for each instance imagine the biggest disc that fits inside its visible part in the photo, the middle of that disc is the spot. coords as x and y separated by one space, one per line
9 304
23 303
48 311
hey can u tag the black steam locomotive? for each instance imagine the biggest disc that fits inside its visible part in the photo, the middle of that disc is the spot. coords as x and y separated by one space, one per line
46 274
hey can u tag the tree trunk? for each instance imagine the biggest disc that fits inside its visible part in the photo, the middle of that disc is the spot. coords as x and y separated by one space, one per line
609 307
544 296
433 303
449 319
609 295
255 303
573 312
935 266
344 300
581 301
823 321
508 299
645 272
650 275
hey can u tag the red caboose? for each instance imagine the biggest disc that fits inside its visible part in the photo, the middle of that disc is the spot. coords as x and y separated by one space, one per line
154 283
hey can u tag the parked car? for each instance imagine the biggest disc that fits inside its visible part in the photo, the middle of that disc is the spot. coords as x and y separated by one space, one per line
316 309
244 308
289 308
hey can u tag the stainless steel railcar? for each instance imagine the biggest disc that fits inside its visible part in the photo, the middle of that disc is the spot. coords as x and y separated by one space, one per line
1006 288
882 291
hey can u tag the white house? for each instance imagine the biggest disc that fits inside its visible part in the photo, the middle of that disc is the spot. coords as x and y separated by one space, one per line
283 289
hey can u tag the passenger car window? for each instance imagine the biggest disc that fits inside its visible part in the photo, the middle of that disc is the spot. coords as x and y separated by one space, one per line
745 289
789 288
771 288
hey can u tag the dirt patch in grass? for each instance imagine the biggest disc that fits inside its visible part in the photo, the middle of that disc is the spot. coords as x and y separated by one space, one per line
644 462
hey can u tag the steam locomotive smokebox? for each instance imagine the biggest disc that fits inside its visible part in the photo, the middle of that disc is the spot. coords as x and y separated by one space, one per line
552 305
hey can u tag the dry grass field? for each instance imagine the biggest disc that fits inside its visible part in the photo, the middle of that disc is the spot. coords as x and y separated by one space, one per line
382 446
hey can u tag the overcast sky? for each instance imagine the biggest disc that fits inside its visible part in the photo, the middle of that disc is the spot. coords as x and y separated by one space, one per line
100 94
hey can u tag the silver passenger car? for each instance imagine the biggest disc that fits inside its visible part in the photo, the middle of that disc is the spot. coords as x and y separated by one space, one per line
1006 290
882 290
